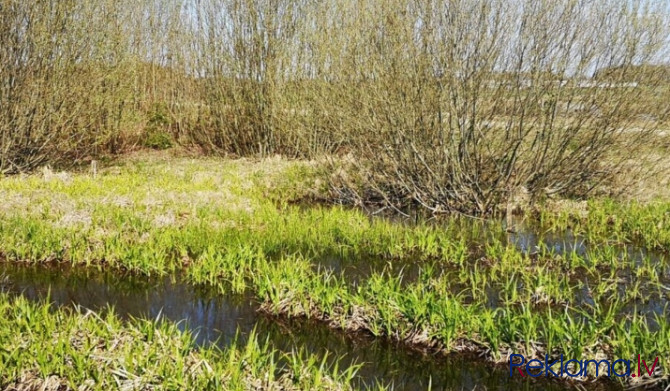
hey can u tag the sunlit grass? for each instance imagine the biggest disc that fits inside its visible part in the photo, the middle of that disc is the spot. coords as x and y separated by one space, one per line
53 349
232 225
645 224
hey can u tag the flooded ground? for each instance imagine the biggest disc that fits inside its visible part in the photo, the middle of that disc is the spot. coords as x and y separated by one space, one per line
218 319
649 304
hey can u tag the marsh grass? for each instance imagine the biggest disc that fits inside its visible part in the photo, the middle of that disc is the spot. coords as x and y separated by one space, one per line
227 224
62 349
607 221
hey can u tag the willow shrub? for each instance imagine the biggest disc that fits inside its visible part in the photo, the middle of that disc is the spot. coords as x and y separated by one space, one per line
452 105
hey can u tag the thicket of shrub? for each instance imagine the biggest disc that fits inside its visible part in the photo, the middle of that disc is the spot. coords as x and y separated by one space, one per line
454 105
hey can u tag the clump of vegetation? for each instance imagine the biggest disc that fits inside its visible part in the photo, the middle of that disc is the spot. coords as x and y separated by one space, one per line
158 139
644 224
157 134
62 349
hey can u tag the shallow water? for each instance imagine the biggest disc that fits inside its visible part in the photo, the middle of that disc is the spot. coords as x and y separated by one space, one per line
218 319
526 239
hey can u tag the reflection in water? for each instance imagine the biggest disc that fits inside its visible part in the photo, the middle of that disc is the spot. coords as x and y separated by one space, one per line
218 318
529 242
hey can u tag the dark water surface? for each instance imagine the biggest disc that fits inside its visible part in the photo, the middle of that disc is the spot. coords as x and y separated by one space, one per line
218 319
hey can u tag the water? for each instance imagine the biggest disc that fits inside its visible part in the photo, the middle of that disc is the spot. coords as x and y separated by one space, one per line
526 239
218 319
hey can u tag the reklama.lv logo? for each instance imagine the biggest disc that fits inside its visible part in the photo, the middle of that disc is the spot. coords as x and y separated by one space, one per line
578 368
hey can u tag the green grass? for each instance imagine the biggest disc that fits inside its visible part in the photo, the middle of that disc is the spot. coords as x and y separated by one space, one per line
53 349
644 224
233 225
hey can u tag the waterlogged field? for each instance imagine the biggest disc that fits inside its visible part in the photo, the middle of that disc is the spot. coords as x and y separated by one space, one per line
61 350
587 285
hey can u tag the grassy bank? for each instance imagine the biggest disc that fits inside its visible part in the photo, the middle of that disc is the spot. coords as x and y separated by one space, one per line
645 224
449 287
49 349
